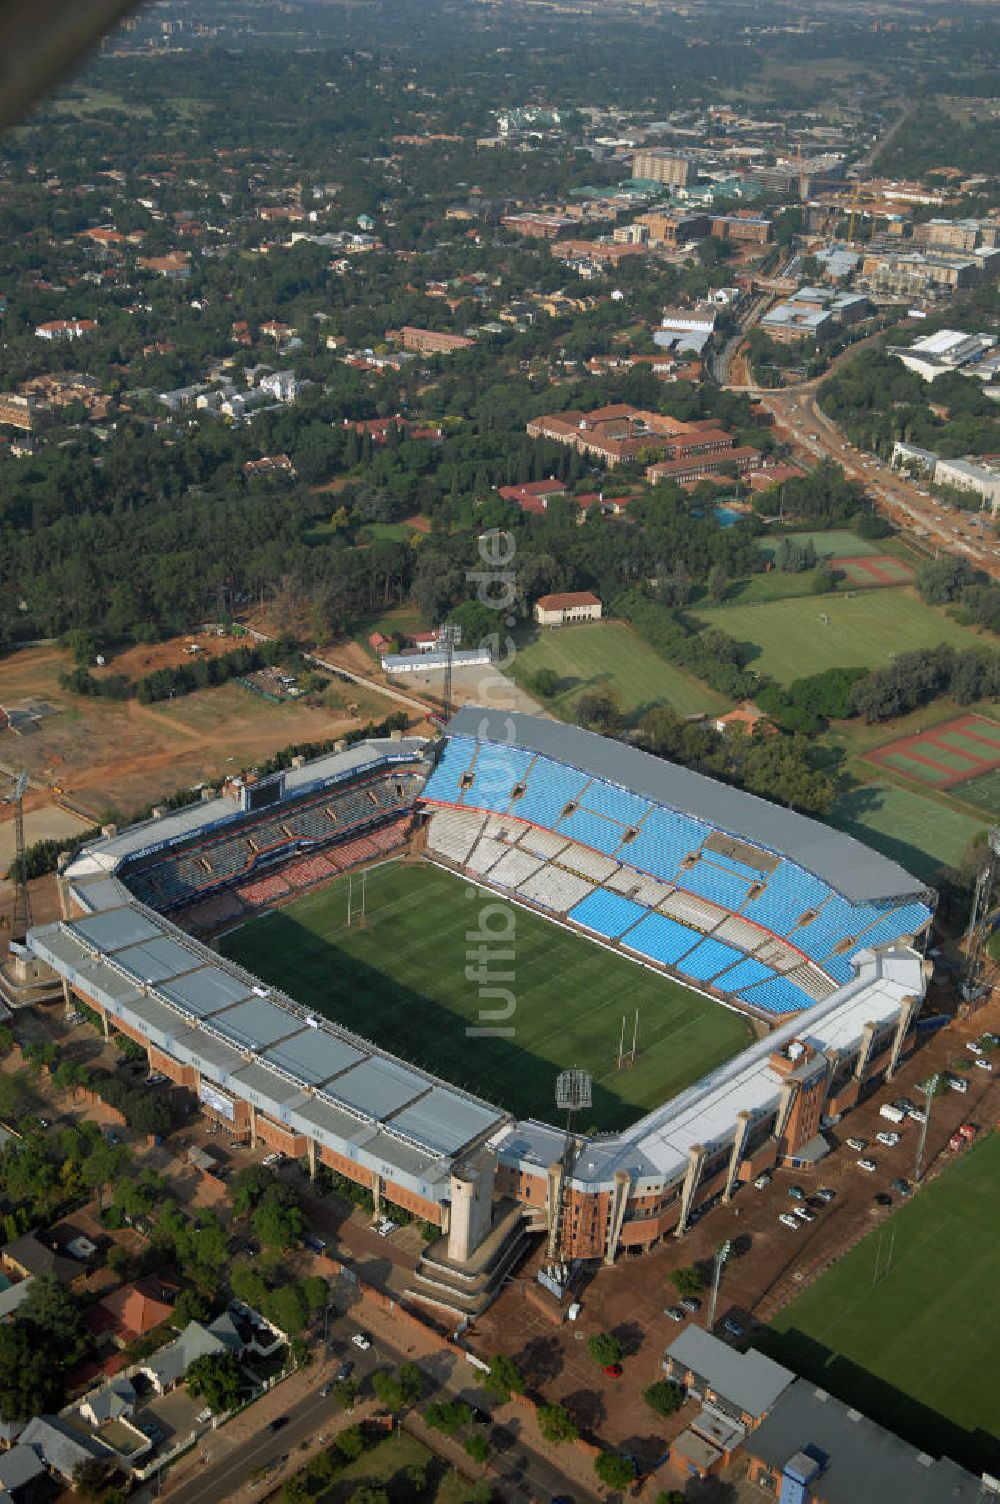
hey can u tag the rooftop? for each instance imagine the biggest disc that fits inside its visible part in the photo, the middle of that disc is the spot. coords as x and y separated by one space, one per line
749 1381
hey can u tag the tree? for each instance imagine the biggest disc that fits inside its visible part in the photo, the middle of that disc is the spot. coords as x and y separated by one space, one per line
615 1471
351 1443
605 1349
663 1397
449 1417
477 1447
598 710
278 1220
544 683
286 1307
688 1281
556 1423
388 1391
248 1187
295 1490
717 582
215 1378
190 1306
411 1382
504 1377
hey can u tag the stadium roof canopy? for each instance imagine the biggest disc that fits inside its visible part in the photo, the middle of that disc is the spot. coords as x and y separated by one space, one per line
846 864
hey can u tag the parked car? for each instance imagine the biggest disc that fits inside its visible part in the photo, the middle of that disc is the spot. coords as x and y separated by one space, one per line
882 1198
204 1416
959 1084
957 1143
733 1328
385 1227
277 1423
344 1371
613 1370
690 1303
982 1064
902 1187
889 1139
858 1144
796 1192
804 1214
968 1130
788 1220
891 1112
918 1115
868 1165
973 1048
155 1078
825 1194
326 1390
361 1340
763 1179
674 1312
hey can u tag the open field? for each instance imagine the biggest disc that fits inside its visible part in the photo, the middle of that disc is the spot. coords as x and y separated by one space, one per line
984 792
401 981
872 569
905 1327
838 543
965 748
117 756
798 637
921 833
384 1467
609 655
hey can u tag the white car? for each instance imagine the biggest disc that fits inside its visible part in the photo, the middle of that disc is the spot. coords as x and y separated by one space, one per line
385 1227
360 1340
763 1180
868 1165
271 1159
918 1115
973 1047
889 1139
984 1065
857 1144
787 1220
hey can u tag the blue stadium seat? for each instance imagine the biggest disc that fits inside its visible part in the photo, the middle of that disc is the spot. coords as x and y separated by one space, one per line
750 874
789 893
662 939
777 995
549 787
444 782
607 799
607 913
836 920
496 772
665 838
838 967
904 921
708 958
711 882
592 830
744 974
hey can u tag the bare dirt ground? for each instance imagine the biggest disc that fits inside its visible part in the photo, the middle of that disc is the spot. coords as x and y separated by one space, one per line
112 757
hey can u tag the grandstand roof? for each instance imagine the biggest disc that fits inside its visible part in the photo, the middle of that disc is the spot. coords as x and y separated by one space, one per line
105 855
846 864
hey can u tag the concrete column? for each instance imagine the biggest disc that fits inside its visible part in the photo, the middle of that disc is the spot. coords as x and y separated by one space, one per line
377 1189
253 1125
739 1144
619 1201
907 1011
867 1035
471 1206
789 1091
311 1154
696 1159
553 1204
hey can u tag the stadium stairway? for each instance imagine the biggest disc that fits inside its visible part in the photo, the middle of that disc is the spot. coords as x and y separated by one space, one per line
469 1289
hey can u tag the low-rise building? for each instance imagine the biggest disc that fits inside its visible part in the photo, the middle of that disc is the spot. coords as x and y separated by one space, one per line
813 313
433 341
65 329
944 351
742 1386
814 1449
687 328
562 609
970 475
752 229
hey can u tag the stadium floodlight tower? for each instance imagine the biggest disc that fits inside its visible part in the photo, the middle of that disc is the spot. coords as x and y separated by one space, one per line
21 922
973 983
449 637
574 1091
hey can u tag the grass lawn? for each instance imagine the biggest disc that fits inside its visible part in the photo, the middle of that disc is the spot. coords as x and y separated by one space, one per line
905 1326
610 655
865 630
776 586
983 792
922 834
401 982
384 1466
839 543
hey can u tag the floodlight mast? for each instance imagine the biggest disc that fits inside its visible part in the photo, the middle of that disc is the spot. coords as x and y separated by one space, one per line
449 637
574 1090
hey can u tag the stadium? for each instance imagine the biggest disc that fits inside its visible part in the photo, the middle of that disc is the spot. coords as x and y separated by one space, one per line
722 910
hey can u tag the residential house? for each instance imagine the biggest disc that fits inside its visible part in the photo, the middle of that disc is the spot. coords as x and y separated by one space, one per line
175 265
65 329
126 1314
28 1257
748 717
533 495
166 1368
566 607
23 1475
110 1402
433 341
61 1448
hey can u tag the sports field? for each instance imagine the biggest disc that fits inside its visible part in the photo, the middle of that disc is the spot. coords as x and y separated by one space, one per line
401 981
609 655
905 1326
965 748
873 569
984 792
805 636
837 543
920 833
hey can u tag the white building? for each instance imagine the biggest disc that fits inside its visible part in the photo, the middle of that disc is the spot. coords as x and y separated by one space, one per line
686 328
967 475
947 350
570 606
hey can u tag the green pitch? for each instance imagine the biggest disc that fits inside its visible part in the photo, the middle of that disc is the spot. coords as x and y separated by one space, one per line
400 981
866 629
906 1326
